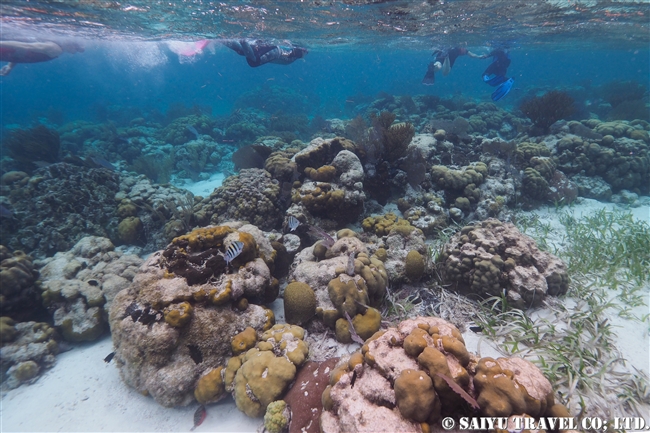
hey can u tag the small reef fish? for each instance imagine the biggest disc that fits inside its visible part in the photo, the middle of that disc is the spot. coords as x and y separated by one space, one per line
41 164
5 212
293 223
233 250
199 417
101 162
326 239
193 130
195 353
109 357
350 268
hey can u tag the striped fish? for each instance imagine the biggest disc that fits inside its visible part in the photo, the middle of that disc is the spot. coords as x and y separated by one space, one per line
293 223
233 250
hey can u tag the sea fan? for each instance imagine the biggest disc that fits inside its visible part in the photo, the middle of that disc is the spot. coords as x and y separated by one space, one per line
460 391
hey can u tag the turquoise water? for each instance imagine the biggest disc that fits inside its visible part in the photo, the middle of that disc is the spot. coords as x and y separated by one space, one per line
130 99
325 78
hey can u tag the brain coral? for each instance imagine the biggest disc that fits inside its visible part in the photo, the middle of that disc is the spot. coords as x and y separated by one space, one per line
407 378
493 256
252 195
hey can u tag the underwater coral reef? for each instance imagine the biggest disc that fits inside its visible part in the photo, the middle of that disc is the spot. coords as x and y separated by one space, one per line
349 257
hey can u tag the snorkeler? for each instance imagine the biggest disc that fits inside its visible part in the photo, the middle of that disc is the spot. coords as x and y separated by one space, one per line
16 52
258 52
444 61
495 74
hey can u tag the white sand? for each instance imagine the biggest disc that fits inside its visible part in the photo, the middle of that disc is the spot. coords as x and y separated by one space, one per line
203 187
82 393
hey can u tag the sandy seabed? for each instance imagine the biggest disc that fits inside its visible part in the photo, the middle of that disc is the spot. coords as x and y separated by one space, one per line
81 393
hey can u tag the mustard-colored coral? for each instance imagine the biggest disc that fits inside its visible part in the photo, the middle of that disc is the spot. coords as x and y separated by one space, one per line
382 225
414 265
365 325
7 330
210 387
457 180
129 230
498 393
178 315
203 238
261 379
347 293
325 173
299 303
243 341
415 396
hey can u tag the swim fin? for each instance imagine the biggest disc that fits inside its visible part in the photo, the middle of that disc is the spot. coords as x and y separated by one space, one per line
494 80
446 67
430 76
502 90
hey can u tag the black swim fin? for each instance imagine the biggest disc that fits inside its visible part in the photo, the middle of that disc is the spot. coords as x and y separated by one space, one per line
503 89
430 77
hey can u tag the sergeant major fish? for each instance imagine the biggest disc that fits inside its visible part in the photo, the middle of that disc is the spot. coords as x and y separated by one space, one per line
293 223
233 250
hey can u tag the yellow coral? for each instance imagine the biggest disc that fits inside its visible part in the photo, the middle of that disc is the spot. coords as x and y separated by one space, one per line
415 396
261 379
243 341
178 315
299 303
325 173
210 387
204 238
129 230
414 265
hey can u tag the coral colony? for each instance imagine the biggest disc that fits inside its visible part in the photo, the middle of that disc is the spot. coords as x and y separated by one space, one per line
391 236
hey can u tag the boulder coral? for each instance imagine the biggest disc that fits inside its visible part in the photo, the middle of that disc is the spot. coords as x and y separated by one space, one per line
171 332
342 198
408 377
262 374
20 291
79 286
341 289
492 256
28 349
623 163
252 195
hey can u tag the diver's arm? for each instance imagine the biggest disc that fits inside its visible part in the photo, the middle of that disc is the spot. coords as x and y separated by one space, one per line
476 56
6 69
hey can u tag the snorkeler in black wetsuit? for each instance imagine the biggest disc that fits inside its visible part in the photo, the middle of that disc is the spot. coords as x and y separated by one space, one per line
495 74
258 52
445 59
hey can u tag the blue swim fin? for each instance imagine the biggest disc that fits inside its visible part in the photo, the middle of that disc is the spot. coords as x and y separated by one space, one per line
503 89
494 80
